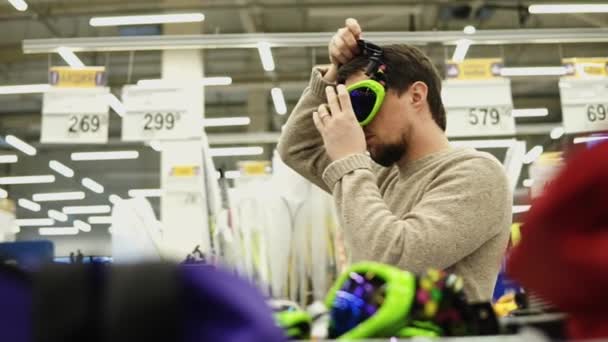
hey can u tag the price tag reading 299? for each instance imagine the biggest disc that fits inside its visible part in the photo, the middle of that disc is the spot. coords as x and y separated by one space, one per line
483 116
160 121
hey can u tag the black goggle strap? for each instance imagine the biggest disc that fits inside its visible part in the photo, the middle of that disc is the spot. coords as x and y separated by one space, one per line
375 68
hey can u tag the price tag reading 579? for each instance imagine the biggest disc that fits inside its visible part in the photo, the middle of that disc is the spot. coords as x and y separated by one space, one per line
160 121
488 116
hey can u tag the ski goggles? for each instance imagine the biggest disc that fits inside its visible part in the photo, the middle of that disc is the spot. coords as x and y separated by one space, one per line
368 95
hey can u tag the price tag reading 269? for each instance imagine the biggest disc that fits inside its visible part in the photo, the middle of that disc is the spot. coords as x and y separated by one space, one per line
84 123
483 116
160 121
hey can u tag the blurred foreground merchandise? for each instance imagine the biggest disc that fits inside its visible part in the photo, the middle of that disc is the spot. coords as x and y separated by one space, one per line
563 254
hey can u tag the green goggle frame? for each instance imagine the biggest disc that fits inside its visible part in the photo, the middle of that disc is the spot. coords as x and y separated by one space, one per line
366 97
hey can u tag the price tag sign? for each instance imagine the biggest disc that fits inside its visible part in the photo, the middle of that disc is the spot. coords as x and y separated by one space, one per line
584 104
154 113
478 108
75 115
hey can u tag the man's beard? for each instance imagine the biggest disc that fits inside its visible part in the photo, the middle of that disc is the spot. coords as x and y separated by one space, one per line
388 154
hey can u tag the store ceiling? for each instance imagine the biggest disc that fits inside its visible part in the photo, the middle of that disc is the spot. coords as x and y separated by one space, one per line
20 114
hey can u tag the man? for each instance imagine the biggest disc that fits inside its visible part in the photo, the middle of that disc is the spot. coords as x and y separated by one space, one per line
420 203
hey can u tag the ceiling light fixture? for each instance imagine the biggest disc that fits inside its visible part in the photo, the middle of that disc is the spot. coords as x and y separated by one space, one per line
19 5
114 198
100 219
83 226
20 145
469 29
580 140
8 159
35 222
27 179
224 122
206 81
533 154
24 89
57 215
58 231
567 8
109 155
87 209
236 151
59 196
117 106
61 169
147 19
145 192
3 193
462 47
557 132
518 209
29 205
528 182
70 57
529 112
92 185
266 56
278 100
533 71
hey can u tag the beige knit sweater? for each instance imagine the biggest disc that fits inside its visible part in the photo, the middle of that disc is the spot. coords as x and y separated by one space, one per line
449 210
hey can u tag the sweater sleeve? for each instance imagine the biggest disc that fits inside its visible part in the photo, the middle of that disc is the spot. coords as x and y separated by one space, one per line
460 210
301 146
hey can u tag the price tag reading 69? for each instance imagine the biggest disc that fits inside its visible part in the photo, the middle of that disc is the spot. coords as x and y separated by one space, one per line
160 121
597 112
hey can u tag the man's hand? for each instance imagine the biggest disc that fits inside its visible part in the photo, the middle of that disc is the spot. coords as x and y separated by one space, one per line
343 47
342 134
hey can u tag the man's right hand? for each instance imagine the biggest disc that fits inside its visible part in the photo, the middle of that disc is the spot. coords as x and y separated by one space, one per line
343 47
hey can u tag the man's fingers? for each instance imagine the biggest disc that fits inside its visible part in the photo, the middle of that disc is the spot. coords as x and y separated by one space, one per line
343 48
332 100
318 122
351 42
337 55
353 26
344 100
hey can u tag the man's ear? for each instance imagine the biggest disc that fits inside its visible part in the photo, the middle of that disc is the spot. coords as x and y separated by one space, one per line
418 91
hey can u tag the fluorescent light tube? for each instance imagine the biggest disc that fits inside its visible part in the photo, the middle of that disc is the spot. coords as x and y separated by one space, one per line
206 81
533 154
87 209
35 222
92 185
221 122
24 89
568 8
533 71
85 227
19 5
3 193
58 231
236 151
70 57
278 100
155 145
29 205
528 182
20 145
61 169
557 132
266 56
469 29
147 19
518 209
8 159
145 192
116 105
110 155
529 112
57 215
581 140
59 196
114 199
462 46
27 179
100 220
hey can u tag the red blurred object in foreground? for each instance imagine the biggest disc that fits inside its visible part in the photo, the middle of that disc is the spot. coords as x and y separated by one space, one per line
563 254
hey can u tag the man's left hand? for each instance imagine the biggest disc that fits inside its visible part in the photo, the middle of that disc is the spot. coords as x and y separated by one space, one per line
338 126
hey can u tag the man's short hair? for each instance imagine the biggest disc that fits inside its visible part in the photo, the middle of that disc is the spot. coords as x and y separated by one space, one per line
405 65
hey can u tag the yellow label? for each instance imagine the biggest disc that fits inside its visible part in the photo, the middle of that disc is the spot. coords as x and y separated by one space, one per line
515 233
586 67
474 69
68 77
185 171
253 168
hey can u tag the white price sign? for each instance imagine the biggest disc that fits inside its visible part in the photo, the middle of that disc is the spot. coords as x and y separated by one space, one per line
72 115
584 104
478 108
160 114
